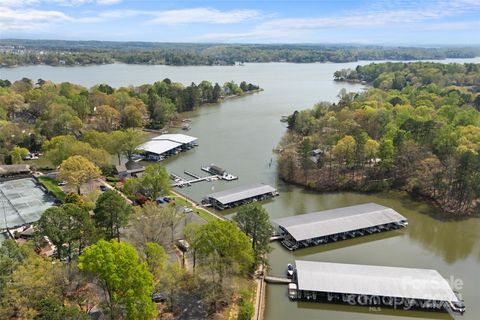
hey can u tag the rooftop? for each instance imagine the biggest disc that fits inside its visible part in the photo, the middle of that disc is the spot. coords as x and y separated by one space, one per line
373 280
23 201
159 146
323 223
6 169
240 193
176 137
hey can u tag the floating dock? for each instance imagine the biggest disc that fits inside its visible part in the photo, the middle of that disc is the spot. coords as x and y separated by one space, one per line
365 285
221 173
322 227
240 195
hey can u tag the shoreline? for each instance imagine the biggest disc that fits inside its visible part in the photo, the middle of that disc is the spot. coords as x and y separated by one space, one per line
228 65
444 213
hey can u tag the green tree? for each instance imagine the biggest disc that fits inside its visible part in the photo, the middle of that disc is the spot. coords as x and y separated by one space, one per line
69 227
107 118
344 150
11 256
130 140
77 170
156 259
387 154
112 212
226 249
154 182
253 219
18 153
125 280
33 281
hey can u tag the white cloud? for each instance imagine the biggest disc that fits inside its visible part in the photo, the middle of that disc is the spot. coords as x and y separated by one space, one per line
203 15
12 19
397 15
108 2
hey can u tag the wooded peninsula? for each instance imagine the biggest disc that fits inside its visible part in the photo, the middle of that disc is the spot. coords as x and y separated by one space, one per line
416 129
16 52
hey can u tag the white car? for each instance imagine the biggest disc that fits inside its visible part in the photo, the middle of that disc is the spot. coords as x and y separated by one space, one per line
188 210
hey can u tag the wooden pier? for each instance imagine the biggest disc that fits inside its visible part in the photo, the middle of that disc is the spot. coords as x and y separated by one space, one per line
193 175
189 182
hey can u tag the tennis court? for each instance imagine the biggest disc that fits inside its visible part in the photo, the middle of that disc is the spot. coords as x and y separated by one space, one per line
22 201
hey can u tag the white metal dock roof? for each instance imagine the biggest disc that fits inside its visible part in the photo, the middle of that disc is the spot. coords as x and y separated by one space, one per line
240 193
159 146
175 137
323 223
373 280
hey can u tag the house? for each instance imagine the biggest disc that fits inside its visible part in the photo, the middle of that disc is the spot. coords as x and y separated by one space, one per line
129 169
10 170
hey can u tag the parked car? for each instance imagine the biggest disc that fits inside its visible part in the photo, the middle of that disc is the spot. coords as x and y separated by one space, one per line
158 297
183 245
160 200
188 210
62 183
103 187
167 199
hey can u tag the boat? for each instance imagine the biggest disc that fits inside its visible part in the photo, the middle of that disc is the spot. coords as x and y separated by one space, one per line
289 270
219 172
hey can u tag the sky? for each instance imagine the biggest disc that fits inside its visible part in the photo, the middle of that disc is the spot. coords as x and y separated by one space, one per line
430 22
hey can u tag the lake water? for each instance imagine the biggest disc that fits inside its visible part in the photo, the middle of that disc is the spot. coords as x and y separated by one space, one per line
240 134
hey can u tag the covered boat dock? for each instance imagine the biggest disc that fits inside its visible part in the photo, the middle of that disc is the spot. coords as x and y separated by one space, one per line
165 145
366 285
337 224
240 195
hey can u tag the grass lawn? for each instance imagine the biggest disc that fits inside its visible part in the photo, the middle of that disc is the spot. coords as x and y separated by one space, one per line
185 203
51 185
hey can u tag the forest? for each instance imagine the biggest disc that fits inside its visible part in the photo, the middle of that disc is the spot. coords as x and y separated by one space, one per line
56 52
416 129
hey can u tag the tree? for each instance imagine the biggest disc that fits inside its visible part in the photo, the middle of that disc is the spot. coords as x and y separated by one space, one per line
62 147
69 227
35 280
156 259
226 249
112 212
154 182
11 256
149 224
172 282
18 154
107 118
371 149
124 279
192 231
253 219
131 117
344 150
77 170
130 140
386 153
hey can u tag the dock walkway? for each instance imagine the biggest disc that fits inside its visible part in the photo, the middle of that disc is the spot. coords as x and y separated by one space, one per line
278 280
189 182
